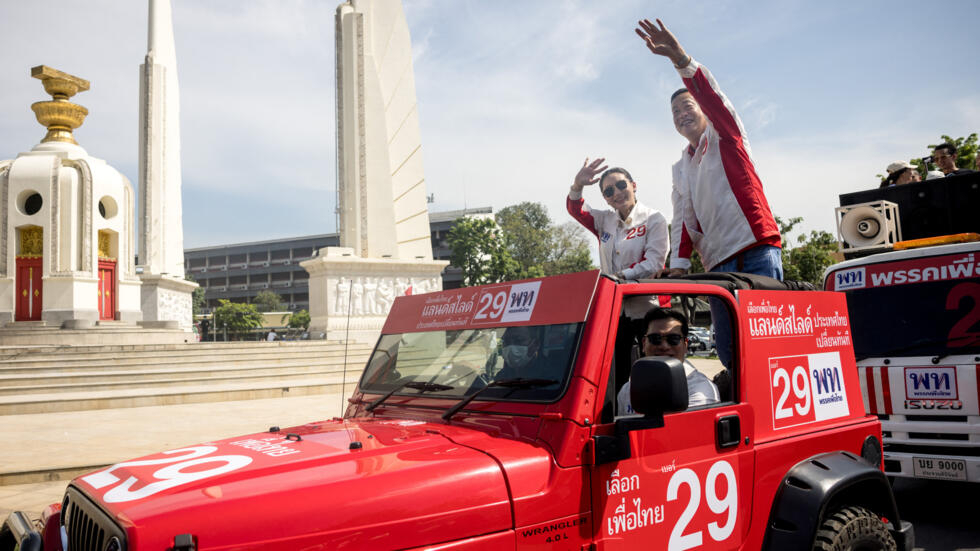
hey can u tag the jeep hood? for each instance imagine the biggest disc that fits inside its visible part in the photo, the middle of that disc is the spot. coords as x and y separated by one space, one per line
360 483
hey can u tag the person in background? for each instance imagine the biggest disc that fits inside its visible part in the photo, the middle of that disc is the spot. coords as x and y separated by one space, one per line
900 173
944 155
271 336
633 241
666 335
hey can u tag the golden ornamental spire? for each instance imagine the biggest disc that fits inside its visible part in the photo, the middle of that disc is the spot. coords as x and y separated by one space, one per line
59 116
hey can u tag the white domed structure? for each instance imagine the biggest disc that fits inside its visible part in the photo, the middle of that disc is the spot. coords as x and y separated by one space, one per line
66 241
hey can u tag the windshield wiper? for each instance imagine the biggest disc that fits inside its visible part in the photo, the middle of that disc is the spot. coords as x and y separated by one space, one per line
515 383
419 386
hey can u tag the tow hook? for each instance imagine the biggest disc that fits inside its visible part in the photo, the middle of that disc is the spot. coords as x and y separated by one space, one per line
184 542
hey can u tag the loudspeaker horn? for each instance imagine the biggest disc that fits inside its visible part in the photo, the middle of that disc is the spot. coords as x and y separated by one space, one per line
868 226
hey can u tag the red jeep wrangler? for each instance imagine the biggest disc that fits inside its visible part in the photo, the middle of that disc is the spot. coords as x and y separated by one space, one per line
486 419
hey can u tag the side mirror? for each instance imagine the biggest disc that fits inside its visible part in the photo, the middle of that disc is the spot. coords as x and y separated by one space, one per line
658 385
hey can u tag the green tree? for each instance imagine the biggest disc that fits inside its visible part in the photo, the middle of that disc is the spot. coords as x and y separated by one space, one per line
810 257
237 317
197 297
480 252
541 247
268 301
526 228
569 251
300 320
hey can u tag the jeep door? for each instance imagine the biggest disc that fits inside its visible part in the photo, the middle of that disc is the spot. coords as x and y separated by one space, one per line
688 483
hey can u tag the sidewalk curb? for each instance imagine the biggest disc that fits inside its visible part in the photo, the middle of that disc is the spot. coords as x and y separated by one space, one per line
46 475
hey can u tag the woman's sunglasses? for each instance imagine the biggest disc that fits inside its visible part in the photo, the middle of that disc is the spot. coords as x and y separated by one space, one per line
609 191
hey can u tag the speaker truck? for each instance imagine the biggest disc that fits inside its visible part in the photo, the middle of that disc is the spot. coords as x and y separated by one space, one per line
914 308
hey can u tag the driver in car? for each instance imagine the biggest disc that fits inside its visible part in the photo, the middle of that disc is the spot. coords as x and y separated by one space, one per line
522 355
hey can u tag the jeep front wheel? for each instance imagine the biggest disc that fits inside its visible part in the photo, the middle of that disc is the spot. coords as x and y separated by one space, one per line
853 529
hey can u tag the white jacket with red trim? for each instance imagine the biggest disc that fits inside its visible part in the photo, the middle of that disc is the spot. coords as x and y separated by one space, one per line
636 246
720 208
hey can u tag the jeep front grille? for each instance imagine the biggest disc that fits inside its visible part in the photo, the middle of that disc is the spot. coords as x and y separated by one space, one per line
87 526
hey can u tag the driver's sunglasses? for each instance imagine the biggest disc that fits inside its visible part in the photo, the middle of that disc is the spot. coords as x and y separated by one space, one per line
673 339
609 191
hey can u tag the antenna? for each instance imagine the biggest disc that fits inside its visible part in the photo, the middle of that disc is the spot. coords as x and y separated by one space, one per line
343 378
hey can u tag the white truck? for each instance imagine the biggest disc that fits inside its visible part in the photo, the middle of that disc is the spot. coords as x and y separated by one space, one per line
915 317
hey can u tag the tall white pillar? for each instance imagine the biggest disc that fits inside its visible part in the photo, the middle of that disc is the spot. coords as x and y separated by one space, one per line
382 200
386 247
166 296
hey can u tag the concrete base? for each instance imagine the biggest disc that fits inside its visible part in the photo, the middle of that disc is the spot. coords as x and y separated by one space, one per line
59 317
20 334
132 316
78 324
166 298
350 296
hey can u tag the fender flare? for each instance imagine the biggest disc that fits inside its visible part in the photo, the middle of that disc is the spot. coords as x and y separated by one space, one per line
815 487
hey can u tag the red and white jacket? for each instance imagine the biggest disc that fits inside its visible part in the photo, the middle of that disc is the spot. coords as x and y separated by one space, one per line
636 246
719 205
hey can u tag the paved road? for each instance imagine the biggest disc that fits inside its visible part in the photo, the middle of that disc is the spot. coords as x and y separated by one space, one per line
944 513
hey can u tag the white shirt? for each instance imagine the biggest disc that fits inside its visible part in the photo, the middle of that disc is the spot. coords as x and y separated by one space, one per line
637 246
700 391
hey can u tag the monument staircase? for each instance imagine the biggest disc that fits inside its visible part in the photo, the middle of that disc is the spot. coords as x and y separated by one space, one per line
47 379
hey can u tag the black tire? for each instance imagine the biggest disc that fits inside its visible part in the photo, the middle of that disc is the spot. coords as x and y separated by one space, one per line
853 529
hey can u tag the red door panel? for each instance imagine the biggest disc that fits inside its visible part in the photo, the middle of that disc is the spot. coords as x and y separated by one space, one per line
107 289
29 289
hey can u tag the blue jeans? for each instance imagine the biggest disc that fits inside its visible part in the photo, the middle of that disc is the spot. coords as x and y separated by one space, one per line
763 260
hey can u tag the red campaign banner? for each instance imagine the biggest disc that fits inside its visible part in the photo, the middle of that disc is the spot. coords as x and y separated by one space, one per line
905 272
544 301
802 341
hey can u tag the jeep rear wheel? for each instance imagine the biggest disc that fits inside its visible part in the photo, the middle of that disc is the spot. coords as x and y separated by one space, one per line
853 529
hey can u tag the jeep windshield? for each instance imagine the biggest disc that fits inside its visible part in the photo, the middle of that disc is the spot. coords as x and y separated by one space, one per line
455 364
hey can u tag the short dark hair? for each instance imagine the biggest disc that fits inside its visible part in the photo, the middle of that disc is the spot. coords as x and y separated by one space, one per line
893 177
948 147
679 92
615 170
662 314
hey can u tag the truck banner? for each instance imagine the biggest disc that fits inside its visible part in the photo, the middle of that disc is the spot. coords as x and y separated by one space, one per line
560 299
915 270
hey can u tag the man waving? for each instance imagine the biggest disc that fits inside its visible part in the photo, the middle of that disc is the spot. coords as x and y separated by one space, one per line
720 209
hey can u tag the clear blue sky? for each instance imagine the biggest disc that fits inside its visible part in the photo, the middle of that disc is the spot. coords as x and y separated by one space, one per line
513 95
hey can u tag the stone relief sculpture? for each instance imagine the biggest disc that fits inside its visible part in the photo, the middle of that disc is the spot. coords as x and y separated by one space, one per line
370 297
343 297
386 294
357 297
373 296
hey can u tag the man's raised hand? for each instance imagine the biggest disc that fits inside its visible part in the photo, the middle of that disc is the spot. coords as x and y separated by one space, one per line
588 174
662 42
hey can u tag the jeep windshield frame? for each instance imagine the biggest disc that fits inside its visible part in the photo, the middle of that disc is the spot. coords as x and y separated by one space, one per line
467 361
